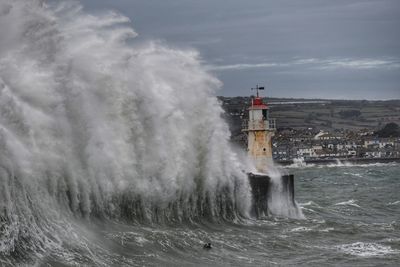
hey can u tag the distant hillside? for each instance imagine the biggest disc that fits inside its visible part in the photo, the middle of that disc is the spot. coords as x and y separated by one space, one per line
317 113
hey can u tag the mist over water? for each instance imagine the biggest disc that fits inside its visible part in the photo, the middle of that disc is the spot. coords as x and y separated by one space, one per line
279 201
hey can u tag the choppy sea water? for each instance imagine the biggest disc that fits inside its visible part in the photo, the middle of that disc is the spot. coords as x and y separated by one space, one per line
352 212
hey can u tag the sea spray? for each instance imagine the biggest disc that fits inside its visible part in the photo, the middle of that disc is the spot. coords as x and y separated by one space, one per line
93 127
279 199
280 202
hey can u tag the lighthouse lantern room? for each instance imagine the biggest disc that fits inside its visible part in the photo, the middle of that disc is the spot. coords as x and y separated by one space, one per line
260 129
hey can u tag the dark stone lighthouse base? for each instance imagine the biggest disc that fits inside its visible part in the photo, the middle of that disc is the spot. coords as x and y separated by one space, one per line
261 186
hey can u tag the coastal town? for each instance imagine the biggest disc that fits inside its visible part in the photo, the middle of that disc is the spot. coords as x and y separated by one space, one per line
320 130
310 145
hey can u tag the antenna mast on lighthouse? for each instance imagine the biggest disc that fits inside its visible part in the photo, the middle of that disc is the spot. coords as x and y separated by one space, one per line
258 88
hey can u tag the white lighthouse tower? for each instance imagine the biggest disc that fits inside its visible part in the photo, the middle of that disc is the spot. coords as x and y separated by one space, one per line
260 129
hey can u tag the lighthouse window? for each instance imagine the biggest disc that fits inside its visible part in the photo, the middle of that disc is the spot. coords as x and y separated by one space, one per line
265 113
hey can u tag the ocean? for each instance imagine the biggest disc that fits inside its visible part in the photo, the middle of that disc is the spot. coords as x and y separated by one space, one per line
351 219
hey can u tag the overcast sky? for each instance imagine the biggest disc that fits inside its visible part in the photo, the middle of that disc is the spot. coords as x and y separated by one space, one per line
345 49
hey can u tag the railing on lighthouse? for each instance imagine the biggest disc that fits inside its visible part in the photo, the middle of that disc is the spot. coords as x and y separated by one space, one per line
260 125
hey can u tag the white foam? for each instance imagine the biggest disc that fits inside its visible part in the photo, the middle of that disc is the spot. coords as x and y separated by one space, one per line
362 249
299 163
338 164
301 229
326 230
353 174
350 202
309 203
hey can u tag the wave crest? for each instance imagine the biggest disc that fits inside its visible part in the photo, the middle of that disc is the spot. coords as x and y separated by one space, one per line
93 126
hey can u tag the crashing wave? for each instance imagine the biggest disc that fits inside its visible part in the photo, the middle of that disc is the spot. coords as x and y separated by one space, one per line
91 126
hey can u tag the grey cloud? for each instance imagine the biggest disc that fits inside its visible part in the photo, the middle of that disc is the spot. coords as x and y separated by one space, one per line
361 64
341 48
321 64
241 66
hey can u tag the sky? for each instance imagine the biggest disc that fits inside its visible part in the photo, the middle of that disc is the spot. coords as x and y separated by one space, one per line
341 49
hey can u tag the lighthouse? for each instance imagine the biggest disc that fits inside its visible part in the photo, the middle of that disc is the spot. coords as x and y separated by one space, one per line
259 129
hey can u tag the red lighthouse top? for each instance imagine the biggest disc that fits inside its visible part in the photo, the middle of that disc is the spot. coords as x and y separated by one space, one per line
256 102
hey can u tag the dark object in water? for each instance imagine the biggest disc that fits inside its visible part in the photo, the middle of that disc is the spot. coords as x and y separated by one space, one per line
260 188
207 246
